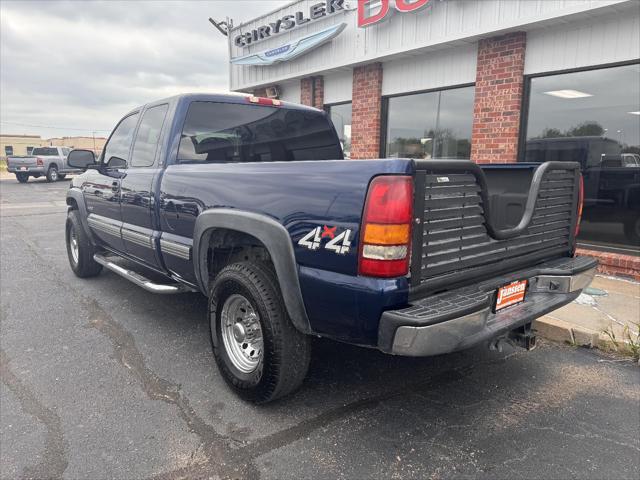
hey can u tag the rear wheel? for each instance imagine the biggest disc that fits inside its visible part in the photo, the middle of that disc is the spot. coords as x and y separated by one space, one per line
79 248
52 174
22 177
258 350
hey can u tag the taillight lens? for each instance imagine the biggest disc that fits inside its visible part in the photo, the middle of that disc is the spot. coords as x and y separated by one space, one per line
39 162
580 205
386 227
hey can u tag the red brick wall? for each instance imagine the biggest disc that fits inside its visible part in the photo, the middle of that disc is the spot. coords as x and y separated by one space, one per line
318 102
306 91
614 263
366 111
499 87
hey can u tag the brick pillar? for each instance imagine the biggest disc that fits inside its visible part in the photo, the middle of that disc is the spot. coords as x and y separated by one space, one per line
307 91
366 111
499 87
318 102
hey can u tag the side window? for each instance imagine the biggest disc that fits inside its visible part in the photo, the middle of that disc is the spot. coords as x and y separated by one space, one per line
121 138
146 144
8 150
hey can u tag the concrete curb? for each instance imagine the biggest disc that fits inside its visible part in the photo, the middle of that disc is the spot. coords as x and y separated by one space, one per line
558 330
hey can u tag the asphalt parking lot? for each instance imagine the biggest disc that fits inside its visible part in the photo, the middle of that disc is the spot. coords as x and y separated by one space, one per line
101 379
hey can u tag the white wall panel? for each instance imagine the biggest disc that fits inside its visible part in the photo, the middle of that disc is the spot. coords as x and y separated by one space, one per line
604 40
290 91
338 86
442 68
446 23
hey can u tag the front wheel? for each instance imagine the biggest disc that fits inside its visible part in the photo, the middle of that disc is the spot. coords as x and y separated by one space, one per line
79 248
52 174
22 177
258 350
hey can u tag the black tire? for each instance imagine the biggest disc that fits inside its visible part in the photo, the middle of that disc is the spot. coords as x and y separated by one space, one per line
85 266
286 351
22 177
52 174
62 176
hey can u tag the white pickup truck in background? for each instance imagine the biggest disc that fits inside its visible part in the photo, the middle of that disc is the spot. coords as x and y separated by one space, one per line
48 161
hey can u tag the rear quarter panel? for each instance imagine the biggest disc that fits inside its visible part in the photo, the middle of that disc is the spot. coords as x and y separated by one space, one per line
301 196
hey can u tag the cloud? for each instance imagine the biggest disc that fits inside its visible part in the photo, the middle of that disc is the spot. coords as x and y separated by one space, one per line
79 66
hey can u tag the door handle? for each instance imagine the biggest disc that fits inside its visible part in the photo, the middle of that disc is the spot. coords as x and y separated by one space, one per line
115 186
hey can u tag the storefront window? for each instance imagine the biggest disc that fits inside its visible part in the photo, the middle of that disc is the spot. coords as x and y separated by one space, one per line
593 117
431 125
341 118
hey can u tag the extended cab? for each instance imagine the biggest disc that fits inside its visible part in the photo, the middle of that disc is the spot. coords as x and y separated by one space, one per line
48 161
250 202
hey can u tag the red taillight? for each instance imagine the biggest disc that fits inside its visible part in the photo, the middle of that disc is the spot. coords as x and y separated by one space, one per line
271 102
385 236
39 162
580 205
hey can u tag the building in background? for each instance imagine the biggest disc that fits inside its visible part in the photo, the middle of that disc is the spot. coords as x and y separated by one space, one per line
493 81
23 144
18 144
95 144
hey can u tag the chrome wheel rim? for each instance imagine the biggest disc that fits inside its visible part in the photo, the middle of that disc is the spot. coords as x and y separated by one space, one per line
73 244
242 333
54 174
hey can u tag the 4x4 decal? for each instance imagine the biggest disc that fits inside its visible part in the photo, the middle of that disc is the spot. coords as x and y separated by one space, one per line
339 244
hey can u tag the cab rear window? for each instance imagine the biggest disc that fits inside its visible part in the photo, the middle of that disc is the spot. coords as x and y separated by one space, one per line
45 151
230 132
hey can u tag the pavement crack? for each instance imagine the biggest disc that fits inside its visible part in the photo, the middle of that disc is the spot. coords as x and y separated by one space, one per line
242 460
54 459
154 386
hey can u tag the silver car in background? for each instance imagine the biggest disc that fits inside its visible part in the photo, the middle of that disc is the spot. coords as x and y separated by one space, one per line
48 161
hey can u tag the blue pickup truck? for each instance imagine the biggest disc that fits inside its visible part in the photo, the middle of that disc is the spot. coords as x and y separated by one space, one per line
249 201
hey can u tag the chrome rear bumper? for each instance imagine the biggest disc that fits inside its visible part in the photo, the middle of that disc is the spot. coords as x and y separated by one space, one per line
463 318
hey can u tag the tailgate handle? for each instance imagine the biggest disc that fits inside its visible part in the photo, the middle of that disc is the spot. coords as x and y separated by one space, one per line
532 196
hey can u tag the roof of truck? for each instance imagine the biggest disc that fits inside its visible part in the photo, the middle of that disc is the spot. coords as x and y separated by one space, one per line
222 98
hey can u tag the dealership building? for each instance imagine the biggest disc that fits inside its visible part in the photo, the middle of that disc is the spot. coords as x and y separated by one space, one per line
494 81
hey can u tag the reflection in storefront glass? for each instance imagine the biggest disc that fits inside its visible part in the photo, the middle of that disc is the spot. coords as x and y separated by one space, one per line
431 125
341 118
593 117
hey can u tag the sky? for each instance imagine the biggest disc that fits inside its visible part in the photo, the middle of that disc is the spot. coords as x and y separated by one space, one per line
76 67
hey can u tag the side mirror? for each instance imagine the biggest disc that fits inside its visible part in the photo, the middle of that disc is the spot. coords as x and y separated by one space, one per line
116 162
81 159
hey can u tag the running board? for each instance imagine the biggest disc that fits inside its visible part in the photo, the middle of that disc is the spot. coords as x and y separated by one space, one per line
139 280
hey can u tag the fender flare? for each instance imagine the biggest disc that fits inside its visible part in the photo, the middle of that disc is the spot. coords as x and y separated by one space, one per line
76 194
274 237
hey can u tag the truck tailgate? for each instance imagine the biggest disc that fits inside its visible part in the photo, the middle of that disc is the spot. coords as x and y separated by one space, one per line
464 235
17 162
